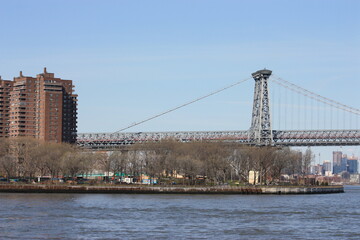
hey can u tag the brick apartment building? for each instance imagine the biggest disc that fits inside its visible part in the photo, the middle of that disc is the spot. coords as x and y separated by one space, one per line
5 88
43 107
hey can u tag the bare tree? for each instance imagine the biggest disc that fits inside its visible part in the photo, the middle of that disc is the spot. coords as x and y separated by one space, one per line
118 162
8 164
241 163
281 161
263 159
72 163
4 146
103 162
24 149
88 162
53 157
152 164
306 161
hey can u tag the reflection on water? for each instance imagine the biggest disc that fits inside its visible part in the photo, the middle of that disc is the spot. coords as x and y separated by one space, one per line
138 216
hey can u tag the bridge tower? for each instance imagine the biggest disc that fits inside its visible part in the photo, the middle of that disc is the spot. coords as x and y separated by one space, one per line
260 132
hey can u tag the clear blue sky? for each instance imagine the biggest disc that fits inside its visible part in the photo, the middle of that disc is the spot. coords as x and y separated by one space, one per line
132 59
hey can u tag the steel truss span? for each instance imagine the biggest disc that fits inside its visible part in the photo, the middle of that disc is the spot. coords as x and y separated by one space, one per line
316 138
103 140
280 138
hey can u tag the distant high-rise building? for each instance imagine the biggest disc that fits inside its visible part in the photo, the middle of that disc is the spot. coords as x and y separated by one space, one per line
44 107
352 165
337 155
344 162
319 169
327 166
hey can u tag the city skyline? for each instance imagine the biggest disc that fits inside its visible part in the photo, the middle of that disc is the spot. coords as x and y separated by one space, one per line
143 58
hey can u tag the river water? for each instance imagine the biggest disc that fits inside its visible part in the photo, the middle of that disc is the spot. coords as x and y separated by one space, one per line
151 216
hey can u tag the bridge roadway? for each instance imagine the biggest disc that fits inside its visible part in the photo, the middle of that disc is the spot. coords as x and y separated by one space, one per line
280 138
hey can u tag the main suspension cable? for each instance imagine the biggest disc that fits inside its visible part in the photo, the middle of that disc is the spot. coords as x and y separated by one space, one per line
183 105
315 96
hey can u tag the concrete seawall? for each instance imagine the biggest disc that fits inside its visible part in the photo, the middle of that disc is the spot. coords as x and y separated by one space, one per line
34 188
303 190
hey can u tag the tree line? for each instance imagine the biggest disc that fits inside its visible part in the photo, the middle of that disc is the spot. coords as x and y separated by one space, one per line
193 163
27 158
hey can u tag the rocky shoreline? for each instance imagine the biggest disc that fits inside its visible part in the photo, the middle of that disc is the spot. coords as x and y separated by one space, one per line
135 189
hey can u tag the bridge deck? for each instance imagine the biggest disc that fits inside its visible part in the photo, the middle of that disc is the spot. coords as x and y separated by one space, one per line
280 138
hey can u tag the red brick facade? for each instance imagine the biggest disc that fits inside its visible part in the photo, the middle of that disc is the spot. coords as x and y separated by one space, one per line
5 88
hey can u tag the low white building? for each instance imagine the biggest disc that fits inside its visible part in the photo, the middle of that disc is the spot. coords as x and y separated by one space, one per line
254 177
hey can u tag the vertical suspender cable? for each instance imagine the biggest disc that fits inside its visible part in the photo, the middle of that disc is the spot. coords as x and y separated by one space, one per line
285 108
344 120
350 121
280 108
305 113
338 118
299 111
331 116
272 106
324 127
292 112
311 113
319 118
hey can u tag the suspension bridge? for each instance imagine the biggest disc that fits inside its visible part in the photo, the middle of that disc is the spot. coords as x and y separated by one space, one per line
306 119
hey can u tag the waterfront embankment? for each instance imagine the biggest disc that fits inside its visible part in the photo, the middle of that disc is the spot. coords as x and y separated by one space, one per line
38 188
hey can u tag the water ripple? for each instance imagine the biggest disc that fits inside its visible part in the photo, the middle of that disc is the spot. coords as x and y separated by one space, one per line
122 216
